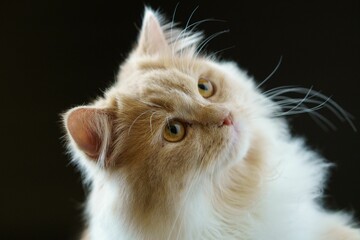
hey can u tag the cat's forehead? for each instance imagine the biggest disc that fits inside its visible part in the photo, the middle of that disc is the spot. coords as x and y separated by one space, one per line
168 80
171 81
167 86
161 74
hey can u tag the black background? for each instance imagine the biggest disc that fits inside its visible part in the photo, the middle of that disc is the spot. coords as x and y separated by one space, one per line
58 54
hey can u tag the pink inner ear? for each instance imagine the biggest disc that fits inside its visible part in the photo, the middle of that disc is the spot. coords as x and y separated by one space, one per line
152 39
82 128
156 36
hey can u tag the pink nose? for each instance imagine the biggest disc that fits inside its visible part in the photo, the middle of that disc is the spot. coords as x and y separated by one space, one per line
227 121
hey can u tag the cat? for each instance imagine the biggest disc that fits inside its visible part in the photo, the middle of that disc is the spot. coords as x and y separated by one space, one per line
185 146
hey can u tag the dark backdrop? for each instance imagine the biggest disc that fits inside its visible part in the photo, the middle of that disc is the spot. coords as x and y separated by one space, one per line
57 54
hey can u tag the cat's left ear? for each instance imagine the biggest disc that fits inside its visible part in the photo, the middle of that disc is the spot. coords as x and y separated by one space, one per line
90 131
152 38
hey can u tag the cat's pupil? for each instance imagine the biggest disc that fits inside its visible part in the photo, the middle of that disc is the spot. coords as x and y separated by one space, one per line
202 87
174 129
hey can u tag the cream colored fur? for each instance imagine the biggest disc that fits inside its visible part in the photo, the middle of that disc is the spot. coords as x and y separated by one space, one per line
249 180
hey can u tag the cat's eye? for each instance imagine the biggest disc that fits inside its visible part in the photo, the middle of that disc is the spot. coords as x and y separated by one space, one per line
206 88
174 131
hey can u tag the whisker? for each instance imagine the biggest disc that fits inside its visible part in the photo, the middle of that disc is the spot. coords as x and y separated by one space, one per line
297 106
191 15
203 44
214 54
137 119
173 20
291 101
271 74
269 92
186 27
322 121
299 110
171 31
150 122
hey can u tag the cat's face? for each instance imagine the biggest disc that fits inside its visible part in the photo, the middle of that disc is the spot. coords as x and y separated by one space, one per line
171 114
174 120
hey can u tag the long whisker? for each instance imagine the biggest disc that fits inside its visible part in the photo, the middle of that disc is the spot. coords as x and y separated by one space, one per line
214 54
271 74
291 101
297 106
340 113
173 20
203 44
301 102
186 27
322 121
276 89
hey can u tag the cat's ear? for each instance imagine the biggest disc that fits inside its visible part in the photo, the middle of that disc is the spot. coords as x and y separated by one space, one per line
90 131
152 38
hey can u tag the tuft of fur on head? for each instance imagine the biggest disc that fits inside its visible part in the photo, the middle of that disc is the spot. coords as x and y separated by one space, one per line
225 179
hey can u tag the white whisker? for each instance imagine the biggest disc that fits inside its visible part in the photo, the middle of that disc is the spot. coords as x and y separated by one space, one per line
137 119
150 122
173 20
214 54
280 96
271 74
203 44
300 103
322 121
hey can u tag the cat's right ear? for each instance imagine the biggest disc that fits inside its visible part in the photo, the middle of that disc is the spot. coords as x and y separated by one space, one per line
152 39
90 131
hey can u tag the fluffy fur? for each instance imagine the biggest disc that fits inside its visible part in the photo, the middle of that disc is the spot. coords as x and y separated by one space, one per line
246 180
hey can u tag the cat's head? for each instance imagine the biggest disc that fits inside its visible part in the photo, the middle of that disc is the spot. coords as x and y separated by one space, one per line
173 112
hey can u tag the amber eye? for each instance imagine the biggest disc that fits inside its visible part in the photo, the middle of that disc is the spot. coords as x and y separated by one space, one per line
174 131
205 87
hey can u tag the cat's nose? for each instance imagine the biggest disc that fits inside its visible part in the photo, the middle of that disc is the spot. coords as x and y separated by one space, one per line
227 120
